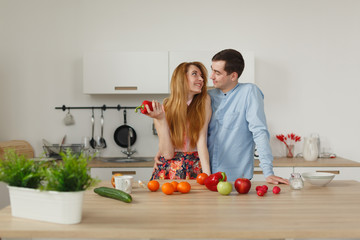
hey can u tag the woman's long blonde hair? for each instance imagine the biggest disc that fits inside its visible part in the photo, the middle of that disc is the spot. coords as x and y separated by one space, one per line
183 120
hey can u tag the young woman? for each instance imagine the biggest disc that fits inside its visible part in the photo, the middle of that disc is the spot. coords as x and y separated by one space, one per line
182 123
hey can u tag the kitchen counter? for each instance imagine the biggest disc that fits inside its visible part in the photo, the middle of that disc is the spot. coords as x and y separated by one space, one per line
320 162
278 162
98 163
313 212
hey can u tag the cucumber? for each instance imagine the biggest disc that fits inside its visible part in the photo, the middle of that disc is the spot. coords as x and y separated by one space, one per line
113 193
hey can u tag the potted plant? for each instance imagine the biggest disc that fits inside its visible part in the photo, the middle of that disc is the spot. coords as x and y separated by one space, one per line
47 191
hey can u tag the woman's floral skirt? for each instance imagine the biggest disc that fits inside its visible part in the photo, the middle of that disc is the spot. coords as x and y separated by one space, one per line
184 165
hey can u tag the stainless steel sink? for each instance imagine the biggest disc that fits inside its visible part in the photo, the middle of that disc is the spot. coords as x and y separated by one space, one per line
126 160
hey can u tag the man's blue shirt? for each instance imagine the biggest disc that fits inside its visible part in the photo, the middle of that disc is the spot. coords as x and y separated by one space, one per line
238 122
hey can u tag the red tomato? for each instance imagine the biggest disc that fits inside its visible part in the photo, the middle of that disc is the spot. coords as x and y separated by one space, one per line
276 190
201 178
260 193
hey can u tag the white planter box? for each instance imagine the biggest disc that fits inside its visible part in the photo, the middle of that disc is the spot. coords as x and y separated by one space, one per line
49 206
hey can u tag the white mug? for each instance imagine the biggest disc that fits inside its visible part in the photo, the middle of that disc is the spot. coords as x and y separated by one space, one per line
124 183
69 119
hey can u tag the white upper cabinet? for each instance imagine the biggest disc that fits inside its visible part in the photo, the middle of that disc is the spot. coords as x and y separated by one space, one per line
126 72
114 72
175 58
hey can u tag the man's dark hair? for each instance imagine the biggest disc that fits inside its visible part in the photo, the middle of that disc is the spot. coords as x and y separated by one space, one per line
234 61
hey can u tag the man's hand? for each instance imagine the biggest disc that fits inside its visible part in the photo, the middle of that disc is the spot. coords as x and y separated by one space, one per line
157 160
276 180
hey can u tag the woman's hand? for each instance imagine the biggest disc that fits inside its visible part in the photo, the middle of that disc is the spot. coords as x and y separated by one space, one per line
157 160
157 112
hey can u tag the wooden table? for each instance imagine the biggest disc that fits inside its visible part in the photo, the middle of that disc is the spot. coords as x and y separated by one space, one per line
313 212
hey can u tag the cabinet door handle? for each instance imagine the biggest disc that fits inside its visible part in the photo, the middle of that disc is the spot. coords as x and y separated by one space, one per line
125 172
329 171
126 88
258 172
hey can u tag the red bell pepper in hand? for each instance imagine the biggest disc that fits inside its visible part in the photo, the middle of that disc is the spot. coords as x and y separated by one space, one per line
212 180
143 108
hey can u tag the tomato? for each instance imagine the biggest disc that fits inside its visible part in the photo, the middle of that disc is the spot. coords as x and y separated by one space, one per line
201 178
224 188
242 185
260 193
184 187
263 188
276 190
113 178
167 188
153 185
175 184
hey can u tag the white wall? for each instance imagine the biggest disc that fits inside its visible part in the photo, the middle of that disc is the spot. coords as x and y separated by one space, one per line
307 62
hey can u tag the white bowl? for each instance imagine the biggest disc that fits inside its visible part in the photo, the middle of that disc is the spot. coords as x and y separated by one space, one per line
318 178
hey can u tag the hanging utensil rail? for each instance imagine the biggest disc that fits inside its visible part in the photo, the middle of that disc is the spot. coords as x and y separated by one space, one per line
103 107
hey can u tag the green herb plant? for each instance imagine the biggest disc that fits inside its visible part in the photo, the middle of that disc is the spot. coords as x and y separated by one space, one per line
70 174
18 171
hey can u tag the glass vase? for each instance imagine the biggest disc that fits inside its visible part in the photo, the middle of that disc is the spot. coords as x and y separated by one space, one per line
289 150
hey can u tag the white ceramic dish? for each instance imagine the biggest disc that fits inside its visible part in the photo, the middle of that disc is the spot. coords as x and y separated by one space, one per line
318 178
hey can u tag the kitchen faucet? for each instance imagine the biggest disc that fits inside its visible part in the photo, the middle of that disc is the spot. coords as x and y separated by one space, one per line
128 151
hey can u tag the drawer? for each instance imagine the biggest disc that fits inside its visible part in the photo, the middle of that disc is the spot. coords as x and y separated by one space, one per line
105 174
283 172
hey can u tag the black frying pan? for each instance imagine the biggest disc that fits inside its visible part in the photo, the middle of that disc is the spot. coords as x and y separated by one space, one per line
121 134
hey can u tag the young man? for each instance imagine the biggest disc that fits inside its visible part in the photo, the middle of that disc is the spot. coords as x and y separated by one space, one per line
238 122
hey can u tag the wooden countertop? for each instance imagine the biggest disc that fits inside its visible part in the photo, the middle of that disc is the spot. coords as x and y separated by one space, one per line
313 212
278 162
320 162
98 163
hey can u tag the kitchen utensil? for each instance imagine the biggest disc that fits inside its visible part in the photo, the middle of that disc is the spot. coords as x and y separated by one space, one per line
69 119
296 181
121 134
318 178
53 150
310 151
124 183
50 147
86 145
21 147
92 140
62 142
86 142
317 137
102 141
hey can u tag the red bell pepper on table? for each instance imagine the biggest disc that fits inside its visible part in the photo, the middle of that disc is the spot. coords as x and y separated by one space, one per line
212 180
143 108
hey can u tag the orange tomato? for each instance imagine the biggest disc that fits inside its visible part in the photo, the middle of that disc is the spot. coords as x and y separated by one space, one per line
201 178
153 185
167 188
175 183
113 178
184 187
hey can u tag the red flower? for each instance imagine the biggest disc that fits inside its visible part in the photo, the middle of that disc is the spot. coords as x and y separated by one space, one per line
281 137
291 139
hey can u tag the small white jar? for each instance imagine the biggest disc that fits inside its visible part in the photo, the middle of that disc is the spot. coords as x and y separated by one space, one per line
296 181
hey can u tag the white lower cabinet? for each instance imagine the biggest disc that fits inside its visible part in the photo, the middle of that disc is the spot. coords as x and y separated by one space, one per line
105 174
4 195
283 172
341 173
